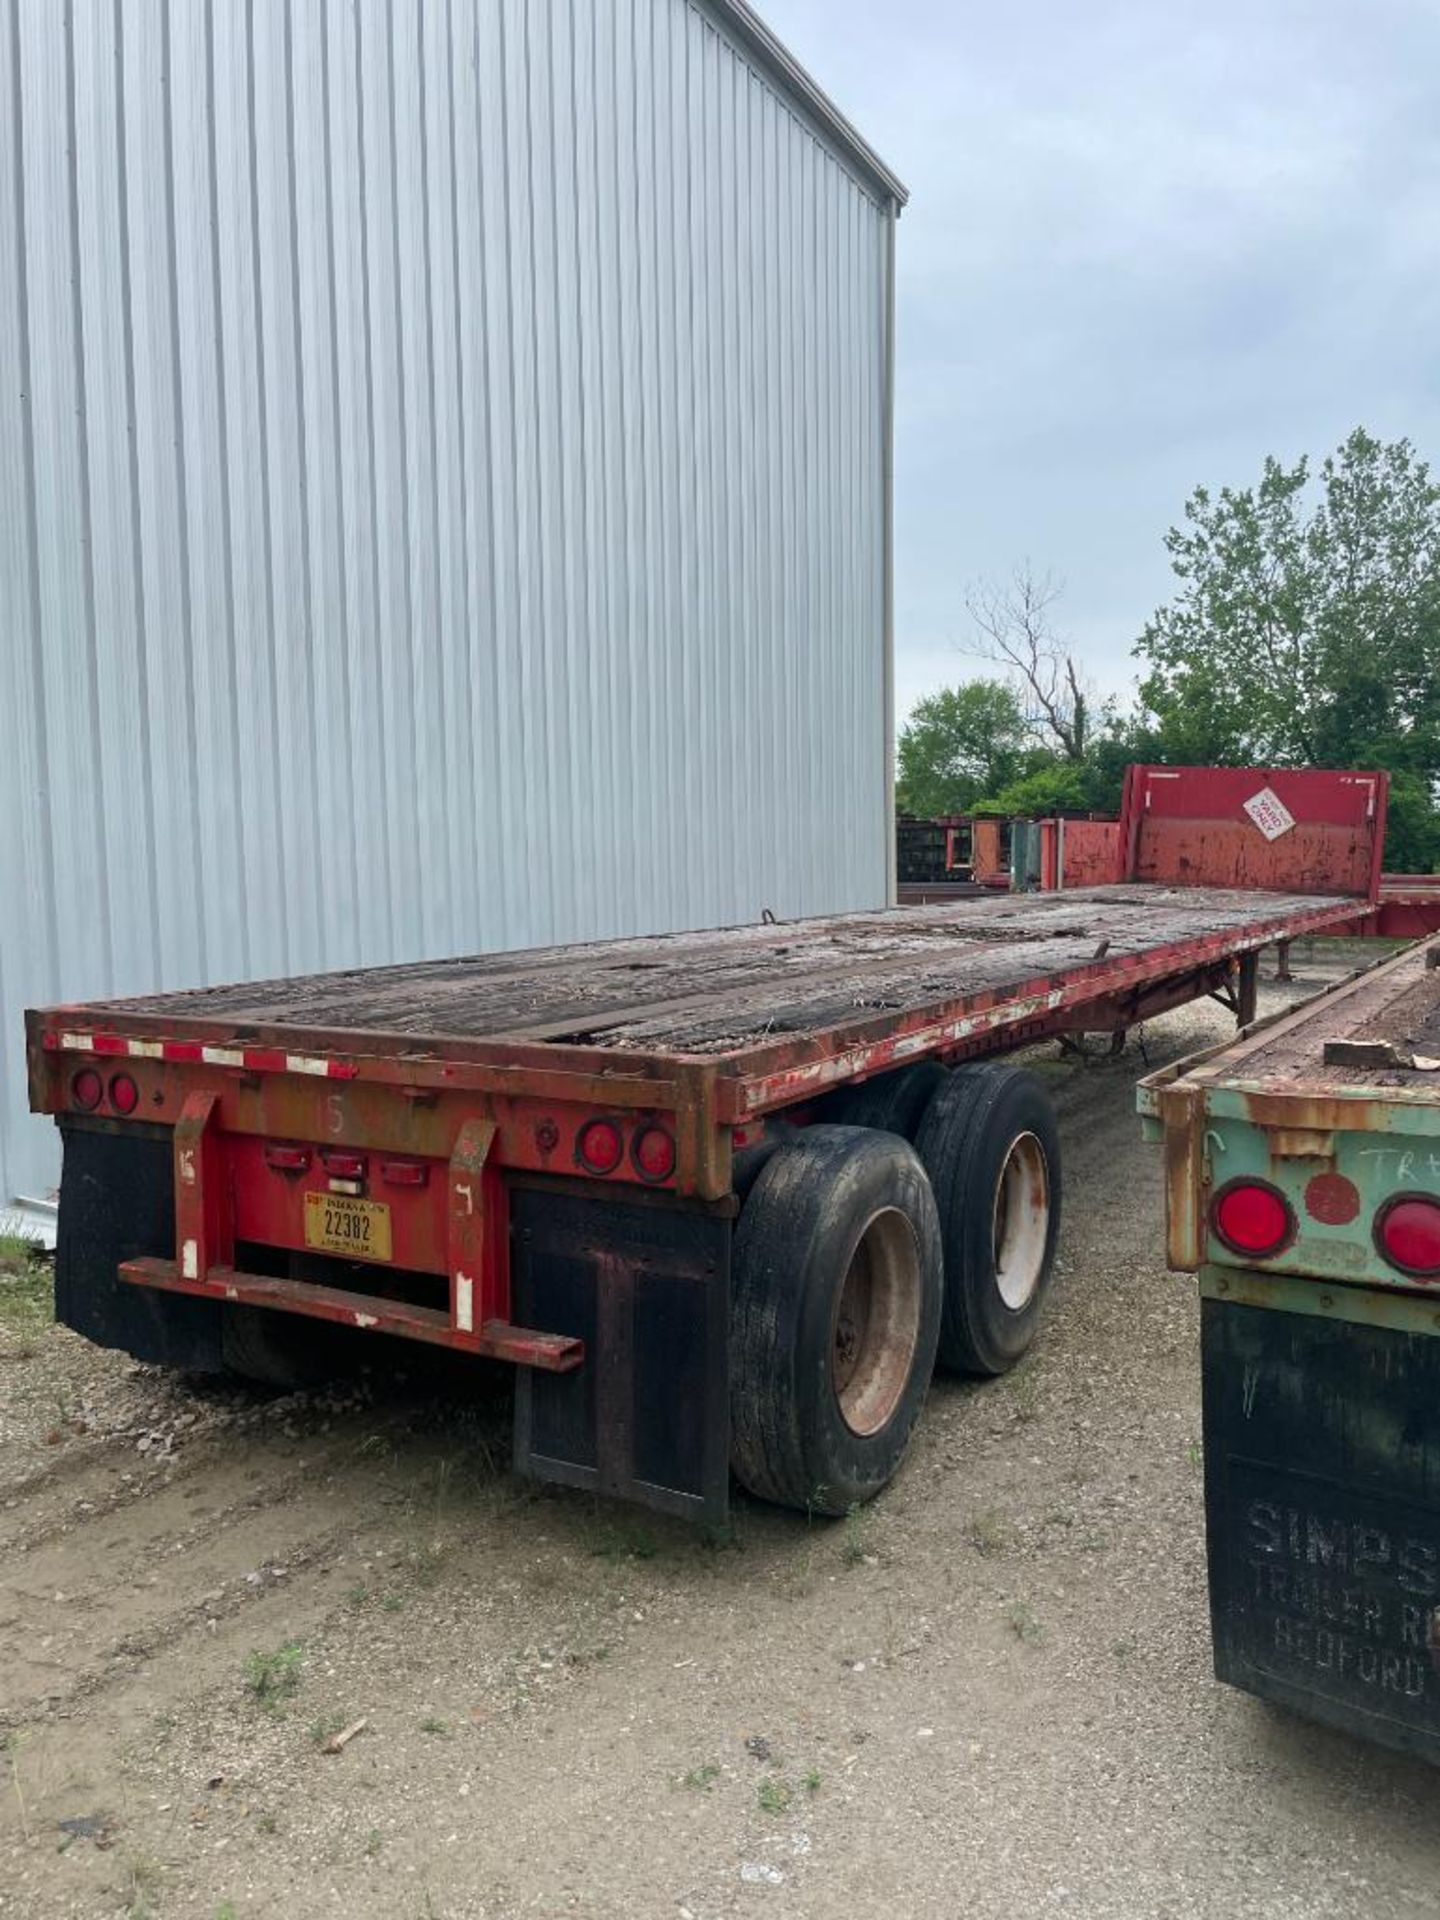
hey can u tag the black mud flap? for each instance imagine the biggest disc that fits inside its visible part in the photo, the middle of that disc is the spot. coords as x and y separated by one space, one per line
117 1201
1322 1496
646 1417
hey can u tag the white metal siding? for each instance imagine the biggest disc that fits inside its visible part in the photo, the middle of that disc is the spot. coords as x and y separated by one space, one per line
441 491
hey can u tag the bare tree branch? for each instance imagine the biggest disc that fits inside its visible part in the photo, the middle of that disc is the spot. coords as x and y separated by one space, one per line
1015 631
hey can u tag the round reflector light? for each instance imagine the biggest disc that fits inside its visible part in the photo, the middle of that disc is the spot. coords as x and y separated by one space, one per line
1252 1218
599 1148
1407 1232
124 1094
654 1153
86 1089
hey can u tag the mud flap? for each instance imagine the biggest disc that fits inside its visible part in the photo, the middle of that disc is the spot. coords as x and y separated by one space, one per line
1322 1507
646 1418
117 1202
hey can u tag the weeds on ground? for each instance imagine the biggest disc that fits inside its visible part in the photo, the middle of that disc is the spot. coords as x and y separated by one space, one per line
796 1579
27 1292
433 1724
273 1677
701 1779
1021 1620
624 1540
1194 1453
856 1537
144 1877
1025 1393
774 1796
813 1781
373 1842
12 1754
989 1532
326 1727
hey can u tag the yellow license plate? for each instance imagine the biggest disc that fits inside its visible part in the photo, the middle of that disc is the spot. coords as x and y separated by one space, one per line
360 1229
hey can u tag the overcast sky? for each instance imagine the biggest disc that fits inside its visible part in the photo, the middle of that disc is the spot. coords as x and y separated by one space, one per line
1146 244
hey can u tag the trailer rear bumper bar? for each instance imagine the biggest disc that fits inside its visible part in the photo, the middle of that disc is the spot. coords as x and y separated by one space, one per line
494 1340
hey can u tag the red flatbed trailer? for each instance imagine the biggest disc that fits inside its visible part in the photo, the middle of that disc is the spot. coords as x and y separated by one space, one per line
542 1157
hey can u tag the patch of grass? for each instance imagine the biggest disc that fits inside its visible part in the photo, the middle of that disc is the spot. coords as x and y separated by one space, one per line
625 1541
326 1727
796 1580
12 1754
1122 1649
701 1779
1195 1454
358 1595
989 1532
426 1561
374 1840
267 1823
813 1782
433 1724
856 1536
774 1796
1025 1393
393 1603
27 1292
1021 1620
273 1677
144 1880
226 1911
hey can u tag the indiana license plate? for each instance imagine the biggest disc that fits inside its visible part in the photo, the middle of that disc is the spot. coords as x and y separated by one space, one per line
359 1229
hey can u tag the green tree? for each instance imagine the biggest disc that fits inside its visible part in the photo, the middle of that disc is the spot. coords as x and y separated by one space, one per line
958 744
1306 627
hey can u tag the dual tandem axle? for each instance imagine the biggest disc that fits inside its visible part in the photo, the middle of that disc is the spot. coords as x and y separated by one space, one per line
724 1199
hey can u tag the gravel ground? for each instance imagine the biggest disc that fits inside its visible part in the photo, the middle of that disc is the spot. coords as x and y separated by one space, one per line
989 1694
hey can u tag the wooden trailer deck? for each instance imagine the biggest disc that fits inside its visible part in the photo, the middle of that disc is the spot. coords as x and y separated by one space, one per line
745 990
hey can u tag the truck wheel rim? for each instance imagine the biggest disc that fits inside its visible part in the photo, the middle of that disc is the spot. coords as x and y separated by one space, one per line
876 1328
1022 1221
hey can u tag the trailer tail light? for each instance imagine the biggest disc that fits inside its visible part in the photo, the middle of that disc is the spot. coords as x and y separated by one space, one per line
1252 1218
599 1148
1407 1232
86 1089
404 1173
286 1159
124 1094
653 1152
344 1166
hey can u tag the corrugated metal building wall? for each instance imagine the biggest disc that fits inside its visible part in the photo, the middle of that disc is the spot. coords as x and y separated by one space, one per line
443 488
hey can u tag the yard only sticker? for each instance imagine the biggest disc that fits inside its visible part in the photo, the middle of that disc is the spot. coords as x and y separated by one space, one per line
1270 813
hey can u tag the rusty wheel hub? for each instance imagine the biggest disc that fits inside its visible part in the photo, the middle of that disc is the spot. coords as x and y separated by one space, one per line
877 1323
1021 1221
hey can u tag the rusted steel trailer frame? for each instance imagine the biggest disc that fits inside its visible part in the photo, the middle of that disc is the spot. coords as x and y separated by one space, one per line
424 1128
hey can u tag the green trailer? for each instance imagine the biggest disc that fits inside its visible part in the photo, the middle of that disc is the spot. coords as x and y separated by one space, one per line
1302 1180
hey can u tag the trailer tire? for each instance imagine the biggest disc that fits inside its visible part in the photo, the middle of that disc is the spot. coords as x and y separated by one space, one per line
274 1349
992 1150
835 1313
891 1103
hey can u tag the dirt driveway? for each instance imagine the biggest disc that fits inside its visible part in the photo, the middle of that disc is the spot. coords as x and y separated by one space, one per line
988 1696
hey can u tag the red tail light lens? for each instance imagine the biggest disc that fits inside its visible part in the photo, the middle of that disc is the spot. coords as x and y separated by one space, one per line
653 1153
287 1159
404 1173
124 1094
1407 1232
345 1166
1252 1218
86 1089
599 1148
